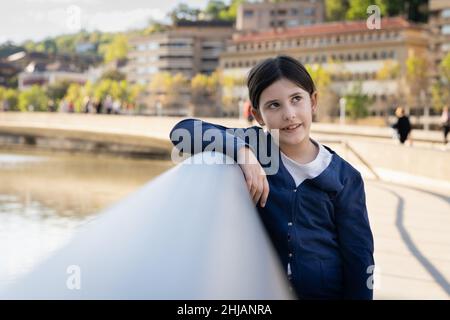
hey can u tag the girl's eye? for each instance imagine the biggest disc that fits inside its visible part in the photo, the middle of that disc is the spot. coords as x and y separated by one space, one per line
273 105
297 98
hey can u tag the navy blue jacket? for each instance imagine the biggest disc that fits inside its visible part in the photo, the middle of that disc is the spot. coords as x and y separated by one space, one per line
321 227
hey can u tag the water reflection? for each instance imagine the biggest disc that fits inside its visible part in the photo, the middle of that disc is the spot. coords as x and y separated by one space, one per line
45 197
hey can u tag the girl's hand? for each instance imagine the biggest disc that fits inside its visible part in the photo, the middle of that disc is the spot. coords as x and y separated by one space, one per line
254 176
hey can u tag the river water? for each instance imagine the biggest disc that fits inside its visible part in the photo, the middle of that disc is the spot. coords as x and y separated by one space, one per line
45 197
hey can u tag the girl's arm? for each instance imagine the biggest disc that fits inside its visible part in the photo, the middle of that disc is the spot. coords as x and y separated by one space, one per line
194 136
355 239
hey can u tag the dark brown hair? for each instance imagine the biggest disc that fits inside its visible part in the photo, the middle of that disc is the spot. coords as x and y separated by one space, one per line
270 70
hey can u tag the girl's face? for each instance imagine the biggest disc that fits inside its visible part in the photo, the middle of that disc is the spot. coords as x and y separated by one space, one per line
285 106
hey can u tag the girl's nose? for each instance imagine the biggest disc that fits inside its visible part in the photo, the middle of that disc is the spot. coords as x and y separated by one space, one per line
289 114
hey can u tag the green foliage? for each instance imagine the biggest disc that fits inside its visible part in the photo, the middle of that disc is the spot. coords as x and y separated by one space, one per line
117 49
357 102
358 8
9 98
320 76
441 88
184 12
57 91
414 10
417 73
33 98
113 75
336 10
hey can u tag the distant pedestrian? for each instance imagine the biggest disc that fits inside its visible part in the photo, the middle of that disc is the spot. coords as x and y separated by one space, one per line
403 126
445 121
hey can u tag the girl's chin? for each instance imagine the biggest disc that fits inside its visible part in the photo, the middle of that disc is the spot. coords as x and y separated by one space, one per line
293 140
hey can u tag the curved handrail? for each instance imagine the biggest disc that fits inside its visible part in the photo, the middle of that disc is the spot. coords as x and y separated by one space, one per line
178 237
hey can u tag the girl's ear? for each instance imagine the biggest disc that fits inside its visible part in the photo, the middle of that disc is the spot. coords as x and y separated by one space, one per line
314 102
257 115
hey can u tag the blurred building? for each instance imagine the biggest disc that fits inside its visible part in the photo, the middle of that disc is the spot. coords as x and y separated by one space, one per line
48 77
439 21
349 51
253 16
187 48
8 73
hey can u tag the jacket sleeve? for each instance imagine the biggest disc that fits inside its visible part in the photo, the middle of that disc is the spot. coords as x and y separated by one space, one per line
194 136
355 239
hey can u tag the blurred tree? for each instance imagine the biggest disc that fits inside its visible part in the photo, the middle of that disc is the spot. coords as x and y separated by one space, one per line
441 88
184 12
8 99
75 95
117 49
33 99
57 91
358 8
357 102
389 70
416 79
113 75
336 10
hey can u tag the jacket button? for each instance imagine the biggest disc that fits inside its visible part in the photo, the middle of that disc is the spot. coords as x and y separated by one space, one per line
290 255
289 224
295 190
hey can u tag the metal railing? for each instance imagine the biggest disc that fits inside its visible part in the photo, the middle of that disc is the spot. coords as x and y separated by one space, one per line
192 233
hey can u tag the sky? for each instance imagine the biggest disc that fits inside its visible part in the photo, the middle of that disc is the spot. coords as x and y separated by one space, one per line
21 20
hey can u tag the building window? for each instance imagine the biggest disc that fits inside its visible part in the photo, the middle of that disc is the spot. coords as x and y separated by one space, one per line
445 13
392 54
375 56
366 56
226 64
307 22
292 23
248 13
383 55
152 70
282 12
153 45
309 12
446 29
294 12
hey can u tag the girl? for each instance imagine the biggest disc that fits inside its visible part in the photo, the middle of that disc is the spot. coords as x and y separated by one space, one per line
313 207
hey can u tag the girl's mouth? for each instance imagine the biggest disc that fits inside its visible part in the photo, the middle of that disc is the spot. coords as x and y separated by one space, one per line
292 128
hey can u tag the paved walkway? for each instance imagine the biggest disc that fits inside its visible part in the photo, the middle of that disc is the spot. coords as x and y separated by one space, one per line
412 241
